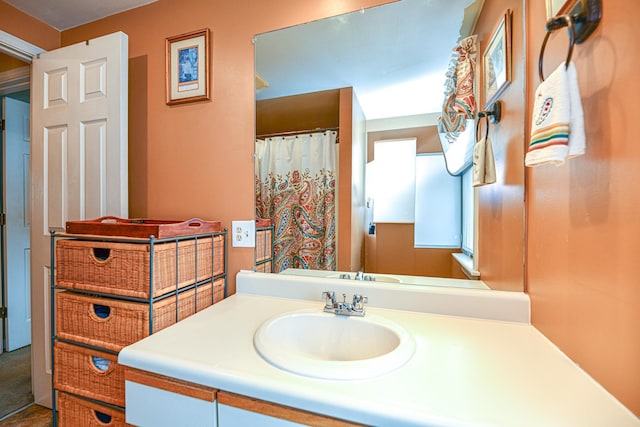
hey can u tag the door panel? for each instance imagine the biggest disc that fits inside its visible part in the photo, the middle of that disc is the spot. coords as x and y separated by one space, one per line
54 151
16 141
79 161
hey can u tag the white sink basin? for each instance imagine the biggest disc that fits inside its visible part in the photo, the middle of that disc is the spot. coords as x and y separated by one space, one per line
385 278
324 345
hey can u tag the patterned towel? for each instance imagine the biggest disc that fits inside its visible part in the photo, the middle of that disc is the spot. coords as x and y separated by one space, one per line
557 130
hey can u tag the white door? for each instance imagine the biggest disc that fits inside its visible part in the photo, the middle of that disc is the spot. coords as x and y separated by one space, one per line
15 140
78 162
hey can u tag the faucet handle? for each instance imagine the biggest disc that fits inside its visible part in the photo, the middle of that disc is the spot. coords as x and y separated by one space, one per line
359 302
329 298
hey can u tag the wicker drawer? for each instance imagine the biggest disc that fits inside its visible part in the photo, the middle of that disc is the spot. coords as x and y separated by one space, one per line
112 324
264 267
263 244
75 411
87 372
124 268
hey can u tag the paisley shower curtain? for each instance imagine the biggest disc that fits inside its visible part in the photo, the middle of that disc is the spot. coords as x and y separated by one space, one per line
295 188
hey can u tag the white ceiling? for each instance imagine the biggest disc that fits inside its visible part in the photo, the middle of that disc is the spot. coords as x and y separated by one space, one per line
65 14
395 56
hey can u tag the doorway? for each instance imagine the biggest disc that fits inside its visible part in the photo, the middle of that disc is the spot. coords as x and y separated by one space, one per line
15 349
15 329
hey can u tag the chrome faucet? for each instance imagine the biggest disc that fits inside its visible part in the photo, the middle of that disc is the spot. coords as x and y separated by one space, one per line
344 308
358 276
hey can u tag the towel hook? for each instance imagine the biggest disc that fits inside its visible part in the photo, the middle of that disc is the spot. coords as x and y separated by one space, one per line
572 41
492 115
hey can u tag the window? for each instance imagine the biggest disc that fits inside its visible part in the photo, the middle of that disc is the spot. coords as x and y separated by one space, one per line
392 183
438 204
403 187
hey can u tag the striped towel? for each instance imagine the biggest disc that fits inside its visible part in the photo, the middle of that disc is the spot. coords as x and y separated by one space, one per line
557 129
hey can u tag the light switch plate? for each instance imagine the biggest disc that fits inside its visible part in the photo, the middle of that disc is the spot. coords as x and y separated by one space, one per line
243 234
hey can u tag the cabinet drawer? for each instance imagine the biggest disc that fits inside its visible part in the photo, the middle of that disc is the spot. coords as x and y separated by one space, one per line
125 268
89 373
75 411
112 324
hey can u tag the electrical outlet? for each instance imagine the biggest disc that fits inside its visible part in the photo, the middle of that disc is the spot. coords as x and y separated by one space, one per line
243 234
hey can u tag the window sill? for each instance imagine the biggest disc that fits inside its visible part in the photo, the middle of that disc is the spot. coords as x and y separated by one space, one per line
466 262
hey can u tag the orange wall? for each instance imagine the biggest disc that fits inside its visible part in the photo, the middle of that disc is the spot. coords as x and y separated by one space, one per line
27 28
395 242
9 63
196 159
582 217
316 110
501 205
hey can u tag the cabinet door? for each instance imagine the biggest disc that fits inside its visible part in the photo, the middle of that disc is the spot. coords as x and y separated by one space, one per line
152 400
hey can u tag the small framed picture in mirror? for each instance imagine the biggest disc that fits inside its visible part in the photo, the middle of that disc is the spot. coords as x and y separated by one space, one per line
561 7
496 61
187 62
553 7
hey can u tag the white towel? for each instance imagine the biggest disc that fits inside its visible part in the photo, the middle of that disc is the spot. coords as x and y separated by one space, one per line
484 166
557 129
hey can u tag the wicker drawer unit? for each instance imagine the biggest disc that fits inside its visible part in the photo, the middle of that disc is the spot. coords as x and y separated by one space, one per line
112 323
75 411
124 268
113 290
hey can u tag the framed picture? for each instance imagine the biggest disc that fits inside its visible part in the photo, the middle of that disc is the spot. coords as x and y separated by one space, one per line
188 67
496 61
560 7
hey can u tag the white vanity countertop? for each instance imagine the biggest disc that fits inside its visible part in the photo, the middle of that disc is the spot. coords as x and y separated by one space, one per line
465 371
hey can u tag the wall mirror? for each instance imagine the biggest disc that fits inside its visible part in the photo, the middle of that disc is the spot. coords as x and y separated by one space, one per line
394 57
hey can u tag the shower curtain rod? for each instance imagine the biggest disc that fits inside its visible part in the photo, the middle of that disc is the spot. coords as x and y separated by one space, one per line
297 132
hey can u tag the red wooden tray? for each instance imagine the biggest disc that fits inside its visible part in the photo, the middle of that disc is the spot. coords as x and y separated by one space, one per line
263 222
141 227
